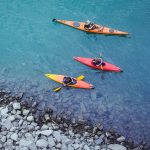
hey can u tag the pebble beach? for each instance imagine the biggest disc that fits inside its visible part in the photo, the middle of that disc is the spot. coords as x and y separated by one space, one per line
21 130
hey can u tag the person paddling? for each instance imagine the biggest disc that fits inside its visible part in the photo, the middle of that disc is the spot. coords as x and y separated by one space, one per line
68 81
98 62
89 25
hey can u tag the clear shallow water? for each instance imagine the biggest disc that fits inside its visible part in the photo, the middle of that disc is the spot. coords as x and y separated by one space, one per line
31 45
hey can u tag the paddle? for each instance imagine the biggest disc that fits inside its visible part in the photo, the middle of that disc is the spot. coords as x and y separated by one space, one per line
101 56
59 88
54 20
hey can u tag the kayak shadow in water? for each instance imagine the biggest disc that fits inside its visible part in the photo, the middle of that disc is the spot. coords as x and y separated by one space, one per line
125 36
107 35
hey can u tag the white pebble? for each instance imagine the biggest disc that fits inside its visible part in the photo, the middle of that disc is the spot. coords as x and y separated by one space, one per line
14 136
30 118
16 106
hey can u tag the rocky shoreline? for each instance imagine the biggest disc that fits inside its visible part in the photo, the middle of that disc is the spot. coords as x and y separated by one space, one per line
22 128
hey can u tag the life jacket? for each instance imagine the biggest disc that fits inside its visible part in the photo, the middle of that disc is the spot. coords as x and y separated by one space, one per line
69 80
98 62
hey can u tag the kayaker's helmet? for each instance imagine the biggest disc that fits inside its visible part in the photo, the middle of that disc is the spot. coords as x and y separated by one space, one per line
98 61
87 22
67 80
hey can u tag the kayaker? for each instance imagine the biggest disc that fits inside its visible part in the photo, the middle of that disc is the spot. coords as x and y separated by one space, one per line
89 25
98 62
68 81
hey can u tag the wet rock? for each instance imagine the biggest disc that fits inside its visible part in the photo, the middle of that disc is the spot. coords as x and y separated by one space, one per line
116 147
98 141
93 96
47 117
35 104
121 139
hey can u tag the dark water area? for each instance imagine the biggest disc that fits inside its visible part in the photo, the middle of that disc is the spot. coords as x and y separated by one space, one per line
31 45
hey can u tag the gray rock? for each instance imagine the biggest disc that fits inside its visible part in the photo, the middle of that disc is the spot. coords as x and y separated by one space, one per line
51 142
76 146
37 128
98 141
64 147
3 139
7 124
71 133
86 147
58 145
14 136
24 148
16 106
1 145
25 112
46 132
32 146
13 111
116 147
57 136
70 147
25 142
41 143
97 148
11 118
47 117
20 122
13 129
4 111
66 140
34 124
28 136
30 118
44 127
121 139
18 112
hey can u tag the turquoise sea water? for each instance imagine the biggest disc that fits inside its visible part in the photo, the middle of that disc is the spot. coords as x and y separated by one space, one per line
31 45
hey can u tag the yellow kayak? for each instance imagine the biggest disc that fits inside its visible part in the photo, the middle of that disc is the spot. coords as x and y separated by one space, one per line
78 84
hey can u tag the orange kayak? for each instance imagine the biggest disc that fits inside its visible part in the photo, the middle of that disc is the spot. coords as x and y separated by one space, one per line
79 84
99 28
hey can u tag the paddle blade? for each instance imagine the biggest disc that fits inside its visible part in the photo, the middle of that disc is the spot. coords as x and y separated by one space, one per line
80 77
102 67
54 20
57 89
